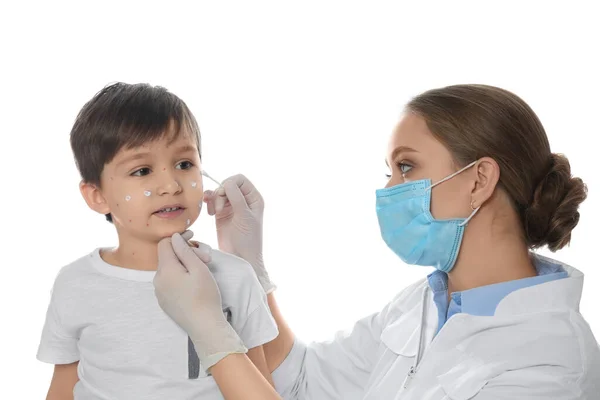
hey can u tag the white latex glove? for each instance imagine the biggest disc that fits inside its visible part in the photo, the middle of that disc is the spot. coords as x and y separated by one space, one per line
241 292
202 250
238 208
187 292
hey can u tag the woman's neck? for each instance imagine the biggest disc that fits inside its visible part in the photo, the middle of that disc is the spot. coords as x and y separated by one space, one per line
489 256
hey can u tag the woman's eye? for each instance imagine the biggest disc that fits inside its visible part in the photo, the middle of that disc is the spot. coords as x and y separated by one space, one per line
185 165
141 172
404 168
388 175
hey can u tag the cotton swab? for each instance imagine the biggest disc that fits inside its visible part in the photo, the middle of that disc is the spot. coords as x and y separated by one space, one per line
204 173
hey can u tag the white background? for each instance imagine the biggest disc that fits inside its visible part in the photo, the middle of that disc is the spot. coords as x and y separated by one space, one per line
301 98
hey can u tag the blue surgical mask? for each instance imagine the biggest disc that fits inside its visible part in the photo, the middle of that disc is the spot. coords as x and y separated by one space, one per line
409 229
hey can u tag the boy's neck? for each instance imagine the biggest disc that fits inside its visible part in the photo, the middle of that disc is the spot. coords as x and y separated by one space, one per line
134 254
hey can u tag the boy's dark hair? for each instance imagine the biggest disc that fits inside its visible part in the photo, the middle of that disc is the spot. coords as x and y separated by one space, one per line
125 116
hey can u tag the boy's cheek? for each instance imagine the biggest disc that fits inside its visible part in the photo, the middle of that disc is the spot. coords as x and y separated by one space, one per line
197 187
194 197
192 214
131 215
135 208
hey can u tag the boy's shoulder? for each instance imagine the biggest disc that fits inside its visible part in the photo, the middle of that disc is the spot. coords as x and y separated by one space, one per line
76 272
229 264
236 279
219 256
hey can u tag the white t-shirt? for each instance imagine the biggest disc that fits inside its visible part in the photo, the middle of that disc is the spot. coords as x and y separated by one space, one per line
108 319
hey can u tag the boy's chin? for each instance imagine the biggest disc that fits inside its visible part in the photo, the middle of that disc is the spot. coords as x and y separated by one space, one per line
168 232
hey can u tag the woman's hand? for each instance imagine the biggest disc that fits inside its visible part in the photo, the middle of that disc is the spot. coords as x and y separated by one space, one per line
238 208
187 292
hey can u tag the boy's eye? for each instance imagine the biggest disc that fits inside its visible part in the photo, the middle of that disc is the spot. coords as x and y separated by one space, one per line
141 172
185 165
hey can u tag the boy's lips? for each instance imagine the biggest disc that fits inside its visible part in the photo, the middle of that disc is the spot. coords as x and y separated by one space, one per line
170 211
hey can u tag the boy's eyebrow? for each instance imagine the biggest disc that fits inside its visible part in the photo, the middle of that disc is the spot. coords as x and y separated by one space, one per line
187 147
144 154
133 157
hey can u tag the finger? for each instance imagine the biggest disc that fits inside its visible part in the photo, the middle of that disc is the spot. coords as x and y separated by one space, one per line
202 247
235 195
203 252
209 199
252 196
208 195
187 235
210 208
167 259
185 254
220 200
246 187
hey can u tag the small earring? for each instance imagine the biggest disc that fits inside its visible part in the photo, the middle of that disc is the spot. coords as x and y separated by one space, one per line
473 205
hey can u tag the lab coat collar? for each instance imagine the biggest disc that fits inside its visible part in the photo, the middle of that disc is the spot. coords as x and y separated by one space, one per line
402 335
562 294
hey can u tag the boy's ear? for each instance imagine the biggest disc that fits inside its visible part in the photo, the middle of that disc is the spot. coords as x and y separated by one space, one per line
94 198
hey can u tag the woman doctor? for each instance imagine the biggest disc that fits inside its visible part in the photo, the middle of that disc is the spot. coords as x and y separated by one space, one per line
474 188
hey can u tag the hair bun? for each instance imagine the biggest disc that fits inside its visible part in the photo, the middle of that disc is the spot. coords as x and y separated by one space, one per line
553 211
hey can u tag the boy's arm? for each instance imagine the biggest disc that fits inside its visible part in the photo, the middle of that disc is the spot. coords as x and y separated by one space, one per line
238 379
277 350
257 356
247 305
63 381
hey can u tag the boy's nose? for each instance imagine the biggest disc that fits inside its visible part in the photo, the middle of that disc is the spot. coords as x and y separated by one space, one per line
169 185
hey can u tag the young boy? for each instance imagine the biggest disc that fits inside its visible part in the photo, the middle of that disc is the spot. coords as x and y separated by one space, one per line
137 148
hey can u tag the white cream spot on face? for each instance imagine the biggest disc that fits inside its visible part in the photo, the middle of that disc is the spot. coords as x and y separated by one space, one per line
147 193
194 184
127 198
187 222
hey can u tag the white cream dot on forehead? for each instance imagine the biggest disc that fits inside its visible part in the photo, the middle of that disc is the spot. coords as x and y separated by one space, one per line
147 193
194 184
127 198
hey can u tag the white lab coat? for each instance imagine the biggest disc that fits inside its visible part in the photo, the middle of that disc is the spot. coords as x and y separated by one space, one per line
536 346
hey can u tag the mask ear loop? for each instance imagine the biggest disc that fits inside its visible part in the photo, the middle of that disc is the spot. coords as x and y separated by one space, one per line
470 216
452 175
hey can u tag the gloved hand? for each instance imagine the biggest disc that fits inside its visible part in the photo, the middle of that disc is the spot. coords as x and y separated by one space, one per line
243 298
238 208
187 292
202 250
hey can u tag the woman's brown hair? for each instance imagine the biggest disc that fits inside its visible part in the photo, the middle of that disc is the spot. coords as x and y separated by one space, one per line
475 121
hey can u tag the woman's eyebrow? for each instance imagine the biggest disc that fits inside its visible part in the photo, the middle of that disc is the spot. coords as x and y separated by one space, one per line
398 150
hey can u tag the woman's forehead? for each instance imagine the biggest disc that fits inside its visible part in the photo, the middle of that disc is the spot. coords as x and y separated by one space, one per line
412 132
